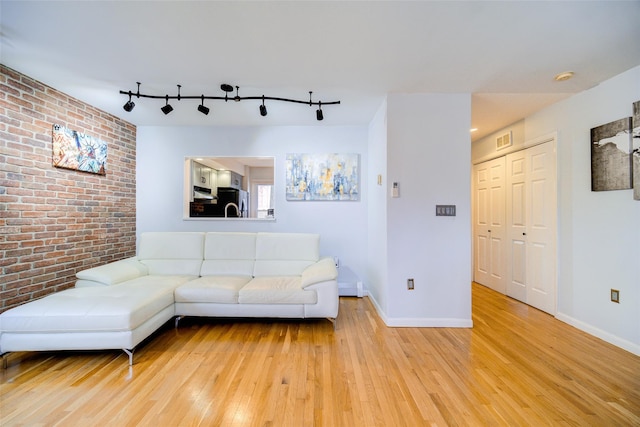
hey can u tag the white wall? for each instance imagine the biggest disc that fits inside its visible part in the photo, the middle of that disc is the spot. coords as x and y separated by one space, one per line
160 164
377 271
429 155
421 141
598 232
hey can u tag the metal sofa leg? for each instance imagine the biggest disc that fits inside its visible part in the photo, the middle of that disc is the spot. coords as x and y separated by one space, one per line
333 322
130 354
177 321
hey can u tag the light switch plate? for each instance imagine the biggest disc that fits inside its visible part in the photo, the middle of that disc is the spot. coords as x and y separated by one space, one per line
445 210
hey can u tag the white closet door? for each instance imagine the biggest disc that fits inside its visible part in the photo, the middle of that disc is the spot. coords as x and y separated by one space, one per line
541 233
531 215
489 224
482 259
517 220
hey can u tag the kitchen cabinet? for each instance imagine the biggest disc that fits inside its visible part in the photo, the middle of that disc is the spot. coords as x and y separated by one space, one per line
229 179
203 176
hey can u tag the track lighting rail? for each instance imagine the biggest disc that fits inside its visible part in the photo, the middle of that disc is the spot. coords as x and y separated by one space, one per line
226 88
223 98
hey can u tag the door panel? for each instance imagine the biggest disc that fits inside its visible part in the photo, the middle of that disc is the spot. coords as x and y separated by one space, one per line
517 279
536 279
496 225
518 204
517 220
497 256
489 220
531 213
481 268
482 198
539 204
541 234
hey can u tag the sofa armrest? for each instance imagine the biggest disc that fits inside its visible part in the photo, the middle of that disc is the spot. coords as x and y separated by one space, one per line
112 273
321 271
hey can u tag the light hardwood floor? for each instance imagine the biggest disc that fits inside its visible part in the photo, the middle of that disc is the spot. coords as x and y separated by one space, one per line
517 366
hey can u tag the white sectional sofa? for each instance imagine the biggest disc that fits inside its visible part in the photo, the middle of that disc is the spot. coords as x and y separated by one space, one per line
118 305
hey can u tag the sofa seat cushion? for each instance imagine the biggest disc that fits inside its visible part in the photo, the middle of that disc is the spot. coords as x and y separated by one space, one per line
218 289
276 290
121 307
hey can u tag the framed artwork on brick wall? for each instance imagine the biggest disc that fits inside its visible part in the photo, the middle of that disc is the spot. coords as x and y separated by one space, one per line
78 151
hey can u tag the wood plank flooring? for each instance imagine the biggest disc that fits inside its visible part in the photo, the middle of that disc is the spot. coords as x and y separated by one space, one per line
516 367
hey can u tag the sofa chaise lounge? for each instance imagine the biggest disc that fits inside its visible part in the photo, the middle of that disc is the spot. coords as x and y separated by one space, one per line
176 274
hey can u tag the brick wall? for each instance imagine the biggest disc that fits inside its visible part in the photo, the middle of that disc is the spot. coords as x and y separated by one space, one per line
55 222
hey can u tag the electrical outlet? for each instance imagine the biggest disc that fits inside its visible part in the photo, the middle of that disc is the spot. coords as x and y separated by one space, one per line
336 260
615 296
410 284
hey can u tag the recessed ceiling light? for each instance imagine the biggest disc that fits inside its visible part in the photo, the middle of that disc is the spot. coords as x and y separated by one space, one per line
563 76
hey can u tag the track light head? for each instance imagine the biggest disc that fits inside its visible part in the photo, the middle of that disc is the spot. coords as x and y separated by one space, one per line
204 110
263 108
129 105
319 114
167 108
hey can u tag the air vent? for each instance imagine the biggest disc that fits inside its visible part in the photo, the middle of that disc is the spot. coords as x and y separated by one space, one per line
503 141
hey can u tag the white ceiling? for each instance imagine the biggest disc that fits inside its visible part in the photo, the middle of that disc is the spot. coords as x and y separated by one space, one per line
504 53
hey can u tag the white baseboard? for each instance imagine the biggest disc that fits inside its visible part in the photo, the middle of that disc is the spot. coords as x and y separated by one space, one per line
428 322
420 322
605 336
351 289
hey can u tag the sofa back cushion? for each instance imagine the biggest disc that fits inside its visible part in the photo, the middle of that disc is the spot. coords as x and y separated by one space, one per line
172 253
285 254
229 254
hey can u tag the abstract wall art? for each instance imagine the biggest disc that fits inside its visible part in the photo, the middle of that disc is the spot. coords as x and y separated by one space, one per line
611 156
78 151
322 177
635 157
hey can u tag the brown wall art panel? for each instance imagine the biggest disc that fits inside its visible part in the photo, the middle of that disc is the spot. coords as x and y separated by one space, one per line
611 156
636 150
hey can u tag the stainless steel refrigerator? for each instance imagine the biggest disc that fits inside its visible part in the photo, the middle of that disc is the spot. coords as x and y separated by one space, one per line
228 197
